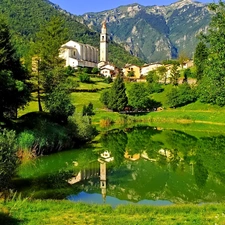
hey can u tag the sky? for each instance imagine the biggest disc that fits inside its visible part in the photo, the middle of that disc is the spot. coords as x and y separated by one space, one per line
79 7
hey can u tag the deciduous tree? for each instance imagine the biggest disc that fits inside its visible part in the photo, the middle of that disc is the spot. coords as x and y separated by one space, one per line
212 86
138 96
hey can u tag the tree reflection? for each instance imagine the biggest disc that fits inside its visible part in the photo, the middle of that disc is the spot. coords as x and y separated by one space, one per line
115 143
201 174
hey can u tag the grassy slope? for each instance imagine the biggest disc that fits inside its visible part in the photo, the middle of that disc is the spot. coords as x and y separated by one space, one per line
193 113
65 212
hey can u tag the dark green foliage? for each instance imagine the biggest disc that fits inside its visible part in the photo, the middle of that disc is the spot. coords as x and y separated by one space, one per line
108 80
188 74
105 97
48 41
175 74
115 98
95 70
154 88
212 86
8 158
84 77
115 143
55 80
59 104
88 110
118 98
181 95
86 70
131 74
212 90
14 90
84 130
42 135
153 85
69 71
152 77
138 96
201 174
200 57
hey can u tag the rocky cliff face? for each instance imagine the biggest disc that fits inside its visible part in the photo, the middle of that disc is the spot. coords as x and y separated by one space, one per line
154 33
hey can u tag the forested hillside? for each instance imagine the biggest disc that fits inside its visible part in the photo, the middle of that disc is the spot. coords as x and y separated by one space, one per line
26 16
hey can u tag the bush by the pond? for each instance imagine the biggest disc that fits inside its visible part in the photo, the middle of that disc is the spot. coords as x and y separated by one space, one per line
8 158
43 136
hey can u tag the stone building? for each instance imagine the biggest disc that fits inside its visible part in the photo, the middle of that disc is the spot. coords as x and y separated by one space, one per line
79 55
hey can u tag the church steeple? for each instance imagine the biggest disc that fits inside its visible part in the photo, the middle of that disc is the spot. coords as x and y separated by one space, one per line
104 44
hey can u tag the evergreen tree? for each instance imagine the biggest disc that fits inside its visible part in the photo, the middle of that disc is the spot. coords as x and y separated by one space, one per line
51 75
14 89
88 110
212 86
118 98
48 42
175 74
200 56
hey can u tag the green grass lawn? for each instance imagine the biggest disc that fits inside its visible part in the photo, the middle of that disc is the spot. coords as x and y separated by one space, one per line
192 113
67 213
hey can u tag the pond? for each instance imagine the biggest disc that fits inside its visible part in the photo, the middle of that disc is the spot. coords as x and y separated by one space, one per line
135 165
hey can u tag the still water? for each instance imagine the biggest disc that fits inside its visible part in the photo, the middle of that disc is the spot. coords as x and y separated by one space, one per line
136 165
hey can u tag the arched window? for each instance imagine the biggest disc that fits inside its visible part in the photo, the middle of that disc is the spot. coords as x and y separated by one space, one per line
103 38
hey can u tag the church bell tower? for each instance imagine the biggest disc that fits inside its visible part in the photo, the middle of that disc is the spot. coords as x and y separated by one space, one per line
104 44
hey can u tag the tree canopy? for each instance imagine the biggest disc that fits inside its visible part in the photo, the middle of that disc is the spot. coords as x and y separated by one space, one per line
212 86
14 89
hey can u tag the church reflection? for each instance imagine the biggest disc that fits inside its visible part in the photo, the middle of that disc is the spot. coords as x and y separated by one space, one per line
94 170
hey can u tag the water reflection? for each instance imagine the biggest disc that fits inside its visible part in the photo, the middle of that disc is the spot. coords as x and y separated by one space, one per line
161 165
144 164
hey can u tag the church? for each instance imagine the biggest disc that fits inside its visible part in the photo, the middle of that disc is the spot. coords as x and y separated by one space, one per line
84 55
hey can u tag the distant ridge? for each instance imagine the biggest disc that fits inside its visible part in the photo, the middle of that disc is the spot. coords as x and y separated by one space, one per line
154 33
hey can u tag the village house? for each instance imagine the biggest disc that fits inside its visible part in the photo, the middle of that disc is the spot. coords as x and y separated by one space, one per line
149 67
132 71
107 70
188 64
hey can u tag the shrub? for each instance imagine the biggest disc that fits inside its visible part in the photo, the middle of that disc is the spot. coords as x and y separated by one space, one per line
105 97
84 78
88 110
108 80
85 131
8 158
95 70
181 95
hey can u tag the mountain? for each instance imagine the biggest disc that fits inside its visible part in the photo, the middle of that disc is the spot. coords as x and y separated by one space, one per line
154 33
26 16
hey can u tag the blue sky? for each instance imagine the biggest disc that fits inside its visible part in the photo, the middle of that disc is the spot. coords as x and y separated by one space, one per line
79 7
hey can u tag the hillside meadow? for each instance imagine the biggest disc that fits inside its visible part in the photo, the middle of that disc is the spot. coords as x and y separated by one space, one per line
196 112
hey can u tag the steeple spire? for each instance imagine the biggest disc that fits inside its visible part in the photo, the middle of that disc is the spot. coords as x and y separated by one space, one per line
103 44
